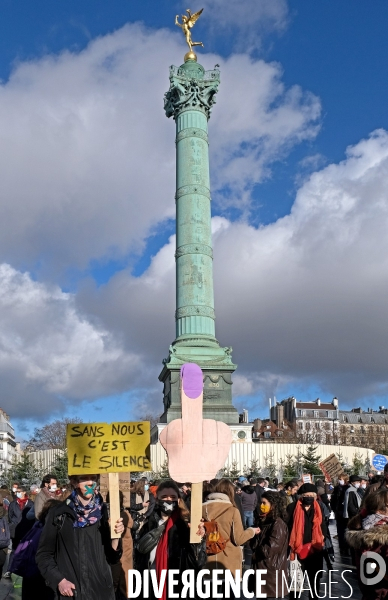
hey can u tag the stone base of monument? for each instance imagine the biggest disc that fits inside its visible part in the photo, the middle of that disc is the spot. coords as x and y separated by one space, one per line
217 367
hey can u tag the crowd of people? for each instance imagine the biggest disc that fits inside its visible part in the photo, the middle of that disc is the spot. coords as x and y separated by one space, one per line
255 524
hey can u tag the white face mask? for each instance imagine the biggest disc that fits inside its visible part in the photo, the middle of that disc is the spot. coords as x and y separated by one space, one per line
53 488
357 485
341 482
14 489
363 485
19 494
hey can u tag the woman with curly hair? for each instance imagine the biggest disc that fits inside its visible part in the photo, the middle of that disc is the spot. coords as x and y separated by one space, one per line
368 532
269 548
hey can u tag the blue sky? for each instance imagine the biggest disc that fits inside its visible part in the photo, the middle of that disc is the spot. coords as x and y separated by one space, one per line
88 212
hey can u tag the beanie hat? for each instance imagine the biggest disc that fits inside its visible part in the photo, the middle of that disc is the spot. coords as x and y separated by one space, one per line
307 488
354 478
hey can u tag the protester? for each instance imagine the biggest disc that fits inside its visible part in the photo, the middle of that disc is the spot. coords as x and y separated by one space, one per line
165 537
290 491
259 488
34 490
142 501
19 524
379 482
308 531
207 488
368 531
120 569
5 497
220 506
248 502
337 505
34 586
4 537
363 486
14 489
75 547
186 494
48 490
269 547
352 499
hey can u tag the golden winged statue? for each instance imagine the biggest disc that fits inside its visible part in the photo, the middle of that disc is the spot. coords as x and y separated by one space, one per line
187 24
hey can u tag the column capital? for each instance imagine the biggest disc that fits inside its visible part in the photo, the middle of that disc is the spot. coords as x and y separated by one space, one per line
191 88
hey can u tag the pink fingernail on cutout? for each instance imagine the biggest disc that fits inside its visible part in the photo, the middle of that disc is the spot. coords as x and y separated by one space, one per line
192 380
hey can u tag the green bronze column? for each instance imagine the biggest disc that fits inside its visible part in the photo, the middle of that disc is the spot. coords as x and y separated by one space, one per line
189 101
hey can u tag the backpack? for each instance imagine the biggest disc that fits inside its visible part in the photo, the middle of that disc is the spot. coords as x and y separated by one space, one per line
215 543
5 536
23 561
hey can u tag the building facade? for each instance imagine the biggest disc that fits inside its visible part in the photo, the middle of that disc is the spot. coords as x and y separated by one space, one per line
312 422
365 428
7 442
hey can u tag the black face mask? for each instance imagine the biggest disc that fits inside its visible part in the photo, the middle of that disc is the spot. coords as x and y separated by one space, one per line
167 506
307 500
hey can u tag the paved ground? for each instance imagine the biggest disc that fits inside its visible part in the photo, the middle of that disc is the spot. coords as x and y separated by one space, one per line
7 591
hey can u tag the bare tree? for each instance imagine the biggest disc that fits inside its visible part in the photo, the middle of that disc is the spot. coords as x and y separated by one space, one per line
151 418
51 435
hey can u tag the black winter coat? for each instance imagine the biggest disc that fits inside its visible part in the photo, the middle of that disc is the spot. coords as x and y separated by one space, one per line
181 554
19 525
269 551
78 554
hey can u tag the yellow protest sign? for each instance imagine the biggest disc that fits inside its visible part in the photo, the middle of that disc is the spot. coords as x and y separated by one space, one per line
108 448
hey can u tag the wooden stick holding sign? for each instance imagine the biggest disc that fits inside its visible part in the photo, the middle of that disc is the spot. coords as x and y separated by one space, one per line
196 448
99 448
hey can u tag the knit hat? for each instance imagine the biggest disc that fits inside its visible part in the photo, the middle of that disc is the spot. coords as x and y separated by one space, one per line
354 478
306 488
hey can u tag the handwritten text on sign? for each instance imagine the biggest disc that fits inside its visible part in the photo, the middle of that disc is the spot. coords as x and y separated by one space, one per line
108 448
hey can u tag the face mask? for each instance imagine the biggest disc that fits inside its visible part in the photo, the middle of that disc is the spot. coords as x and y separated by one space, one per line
89 489
167 506
307 500
264 508
53 488
363 485
19 494
146 487
341 482
356 485
14 489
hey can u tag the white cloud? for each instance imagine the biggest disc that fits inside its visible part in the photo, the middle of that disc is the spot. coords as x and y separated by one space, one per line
89 153
246 22
302 300
50 351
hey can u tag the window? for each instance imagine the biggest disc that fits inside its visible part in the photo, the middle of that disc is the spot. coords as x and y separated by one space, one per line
329 414
300 424
279 433
316 414
372 420
267 434
1 446
302 413
317 425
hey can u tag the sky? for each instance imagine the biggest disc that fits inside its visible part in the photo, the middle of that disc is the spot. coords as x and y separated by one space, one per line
299 168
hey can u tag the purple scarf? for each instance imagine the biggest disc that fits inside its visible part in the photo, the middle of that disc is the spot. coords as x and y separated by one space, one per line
87 514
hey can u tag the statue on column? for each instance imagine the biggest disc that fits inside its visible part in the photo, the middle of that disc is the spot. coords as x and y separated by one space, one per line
187 24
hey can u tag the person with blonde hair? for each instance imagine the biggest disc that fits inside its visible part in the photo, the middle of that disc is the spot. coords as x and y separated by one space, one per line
76 548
